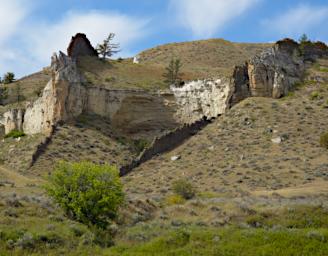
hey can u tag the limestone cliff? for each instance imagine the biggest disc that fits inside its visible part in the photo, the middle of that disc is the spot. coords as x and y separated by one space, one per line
202 98
61 99
134 112
275 71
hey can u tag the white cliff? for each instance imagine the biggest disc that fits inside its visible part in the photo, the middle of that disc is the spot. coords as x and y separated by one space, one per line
62 98
202 98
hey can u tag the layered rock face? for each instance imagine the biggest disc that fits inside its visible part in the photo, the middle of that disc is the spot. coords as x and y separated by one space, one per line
202 98
274 72
240 85
61 99
132 111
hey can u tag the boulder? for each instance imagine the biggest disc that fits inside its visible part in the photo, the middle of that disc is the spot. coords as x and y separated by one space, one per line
13 120
276 140
175 158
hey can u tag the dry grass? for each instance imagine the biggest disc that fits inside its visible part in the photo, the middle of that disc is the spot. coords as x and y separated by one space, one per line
205 58
89 138
30 86
200 59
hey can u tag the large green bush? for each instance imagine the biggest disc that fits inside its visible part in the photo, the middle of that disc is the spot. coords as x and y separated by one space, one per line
89 193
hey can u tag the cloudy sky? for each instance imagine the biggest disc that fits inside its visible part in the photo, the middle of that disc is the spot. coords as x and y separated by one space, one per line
31 30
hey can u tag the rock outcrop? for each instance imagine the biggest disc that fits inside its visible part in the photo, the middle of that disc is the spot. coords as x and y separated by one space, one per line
240 84
133 112
80 46
274 72
67 95
61 99
202 98
13 120
313 51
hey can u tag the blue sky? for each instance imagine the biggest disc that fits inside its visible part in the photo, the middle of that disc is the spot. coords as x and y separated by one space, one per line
31 30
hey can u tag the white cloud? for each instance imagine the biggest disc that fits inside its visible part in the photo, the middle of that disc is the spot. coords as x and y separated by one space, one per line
26 46
12 13
302 19
49 38
206 17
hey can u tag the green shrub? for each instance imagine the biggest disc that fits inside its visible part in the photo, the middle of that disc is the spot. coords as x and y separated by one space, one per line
110 79
8 78
324 140
315 96
140 145
15 134
184 188
89 193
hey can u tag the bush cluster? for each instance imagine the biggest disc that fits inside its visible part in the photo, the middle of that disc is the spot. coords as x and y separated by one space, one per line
184 188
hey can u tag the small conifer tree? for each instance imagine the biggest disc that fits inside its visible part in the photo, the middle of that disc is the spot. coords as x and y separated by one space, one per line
108 48
172 74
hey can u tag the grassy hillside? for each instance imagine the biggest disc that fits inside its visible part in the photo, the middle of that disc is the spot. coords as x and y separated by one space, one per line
204 58
200 59
29 87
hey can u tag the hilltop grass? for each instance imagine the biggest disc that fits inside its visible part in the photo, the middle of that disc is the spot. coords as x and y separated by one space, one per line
121 74
203 58
200 60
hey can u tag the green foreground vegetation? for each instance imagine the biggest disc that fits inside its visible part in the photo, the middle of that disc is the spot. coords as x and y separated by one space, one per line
232 241
206 241
295 230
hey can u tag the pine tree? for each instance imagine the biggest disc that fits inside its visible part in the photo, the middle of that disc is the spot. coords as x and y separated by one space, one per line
172 75
107 48
8 78
303 39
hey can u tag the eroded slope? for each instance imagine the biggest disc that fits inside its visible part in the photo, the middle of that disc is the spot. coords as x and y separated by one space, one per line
240 150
